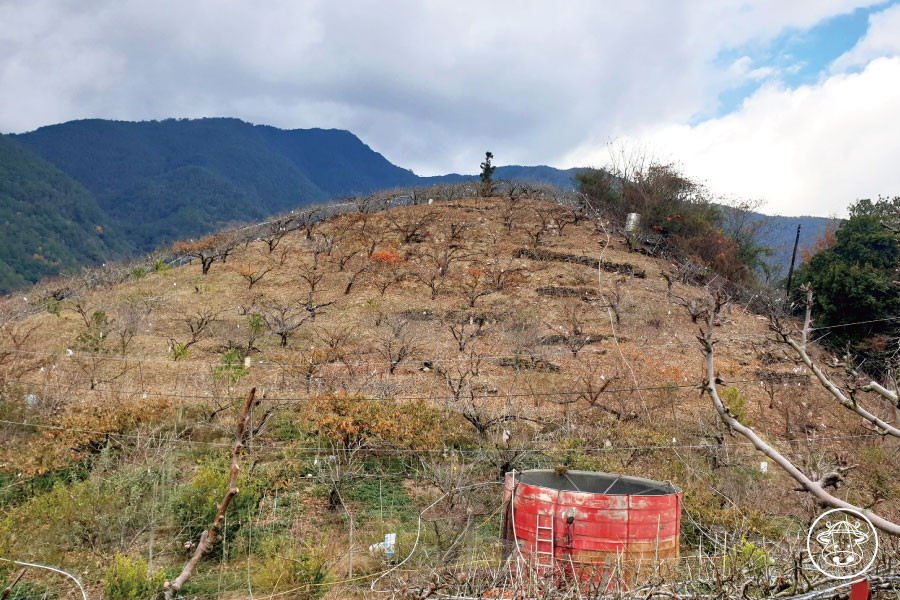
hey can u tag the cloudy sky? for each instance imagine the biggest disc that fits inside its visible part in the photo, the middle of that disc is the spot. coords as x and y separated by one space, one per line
796 103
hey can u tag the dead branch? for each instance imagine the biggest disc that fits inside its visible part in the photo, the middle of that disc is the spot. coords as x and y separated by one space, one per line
11 585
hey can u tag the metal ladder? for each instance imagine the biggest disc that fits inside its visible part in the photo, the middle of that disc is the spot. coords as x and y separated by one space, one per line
543 558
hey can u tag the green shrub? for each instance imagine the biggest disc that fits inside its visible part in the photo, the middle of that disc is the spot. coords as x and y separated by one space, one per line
15 491
99 513
747 559
231 368
130 579
54 307
138 272
287 564
257 327
180 351
194 504
736 405
160 266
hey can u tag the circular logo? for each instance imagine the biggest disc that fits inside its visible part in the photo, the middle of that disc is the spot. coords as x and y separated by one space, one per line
842 543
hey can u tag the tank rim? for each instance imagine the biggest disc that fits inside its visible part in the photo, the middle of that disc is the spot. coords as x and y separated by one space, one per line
652 487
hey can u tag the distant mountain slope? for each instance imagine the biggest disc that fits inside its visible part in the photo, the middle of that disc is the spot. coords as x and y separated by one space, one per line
144 173
48 221
780 233
337 161
561 178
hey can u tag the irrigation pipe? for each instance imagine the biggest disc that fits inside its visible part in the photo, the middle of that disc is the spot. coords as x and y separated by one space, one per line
55 570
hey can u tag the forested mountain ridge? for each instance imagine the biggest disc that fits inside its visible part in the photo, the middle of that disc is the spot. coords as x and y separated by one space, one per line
173 179
154 182
157 181
48 221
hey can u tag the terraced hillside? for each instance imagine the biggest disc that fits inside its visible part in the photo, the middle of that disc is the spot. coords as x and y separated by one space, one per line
400 357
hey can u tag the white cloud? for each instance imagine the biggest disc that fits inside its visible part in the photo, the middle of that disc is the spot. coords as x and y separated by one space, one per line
432 85
741 70
810 150
881 39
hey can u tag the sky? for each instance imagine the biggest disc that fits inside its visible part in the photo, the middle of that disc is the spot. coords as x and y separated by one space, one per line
796 104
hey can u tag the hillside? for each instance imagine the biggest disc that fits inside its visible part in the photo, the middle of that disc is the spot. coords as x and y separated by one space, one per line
158 181
48 221
400 357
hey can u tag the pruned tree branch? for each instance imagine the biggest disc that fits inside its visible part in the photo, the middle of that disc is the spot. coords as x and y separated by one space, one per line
849 403
208 537
816 488
11 585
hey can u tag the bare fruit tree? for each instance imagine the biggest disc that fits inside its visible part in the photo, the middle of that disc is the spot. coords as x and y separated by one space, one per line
197 324
283 318
14 338
411 227
396 342
817 487
338 469
207 250
460 375
848 399
277 229
561 216
434 266
466 330
253 275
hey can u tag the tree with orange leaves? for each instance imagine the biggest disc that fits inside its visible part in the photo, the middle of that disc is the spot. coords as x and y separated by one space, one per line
207 249
386 268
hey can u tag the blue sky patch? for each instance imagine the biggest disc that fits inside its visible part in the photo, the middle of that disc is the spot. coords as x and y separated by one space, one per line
794 58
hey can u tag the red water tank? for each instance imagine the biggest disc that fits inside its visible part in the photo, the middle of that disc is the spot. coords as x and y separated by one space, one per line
590 522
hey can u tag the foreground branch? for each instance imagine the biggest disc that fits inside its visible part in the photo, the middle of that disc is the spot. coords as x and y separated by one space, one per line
814 487
848 403
12 585
207 538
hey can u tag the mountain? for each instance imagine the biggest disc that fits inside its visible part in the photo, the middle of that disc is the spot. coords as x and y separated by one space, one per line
153 182
780 233
337 161
167 180
48 221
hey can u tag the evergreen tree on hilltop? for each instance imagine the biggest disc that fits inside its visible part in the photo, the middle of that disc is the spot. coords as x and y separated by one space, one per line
487 175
